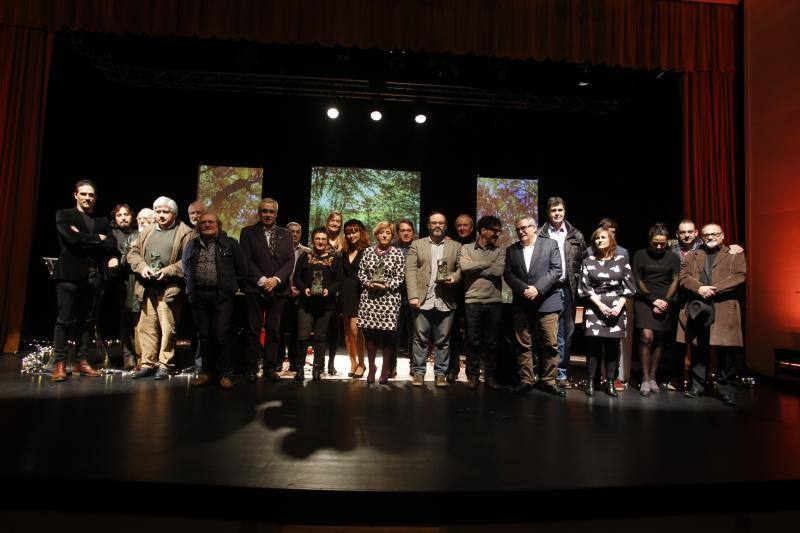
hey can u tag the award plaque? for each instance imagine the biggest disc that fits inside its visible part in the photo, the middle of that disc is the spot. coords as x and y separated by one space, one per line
317 287
377 274
155 263
441 270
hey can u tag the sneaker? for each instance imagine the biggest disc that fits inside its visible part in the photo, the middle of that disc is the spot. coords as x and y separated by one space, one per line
644 390
418 380
161 373
619 385
143 372
441 381
654 388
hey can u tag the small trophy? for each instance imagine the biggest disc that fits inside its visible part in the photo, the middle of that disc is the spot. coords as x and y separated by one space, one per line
377 274
317 288
441 271
155 263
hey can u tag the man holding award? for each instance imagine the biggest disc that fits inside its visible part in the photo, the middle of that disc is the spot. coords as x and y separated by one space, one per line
432 269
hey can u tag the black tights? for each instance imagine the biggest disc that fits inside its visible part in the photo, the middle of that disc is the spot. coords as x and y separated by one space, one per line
373 337
651 345
607 350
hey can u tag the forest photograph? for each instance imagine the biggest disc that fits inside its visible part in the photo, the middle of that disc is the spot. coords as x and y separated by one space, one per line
232 193
369 195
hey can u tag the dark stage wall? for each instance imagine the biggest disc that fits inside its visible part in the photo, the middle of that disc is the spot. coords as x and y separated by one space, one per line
140 143
772 137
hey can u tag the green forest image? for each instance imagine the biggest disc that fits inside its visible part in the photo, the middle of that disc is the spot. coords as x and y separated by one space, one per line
367 194
508 199
232 193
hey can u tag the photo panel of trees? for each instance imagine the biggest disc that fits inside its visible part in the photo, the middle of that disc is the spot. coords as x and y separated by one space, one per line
507 199
231 192
367 194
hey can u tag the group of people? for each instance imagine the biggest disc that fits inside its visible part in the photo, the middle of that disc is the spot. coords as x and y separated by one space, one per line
379 287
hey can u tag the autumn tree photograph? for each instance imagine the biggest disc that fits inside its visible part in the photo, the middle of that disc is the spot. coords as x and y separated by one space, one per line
369 195
232 193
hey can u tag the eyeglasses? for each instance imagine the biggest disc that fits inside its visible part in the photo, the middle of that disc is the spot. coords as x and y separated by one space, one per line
524 228
711 235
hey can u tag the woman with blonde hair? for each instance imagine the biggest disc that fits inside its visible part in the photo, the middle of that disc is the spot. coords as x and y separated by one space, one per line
381 274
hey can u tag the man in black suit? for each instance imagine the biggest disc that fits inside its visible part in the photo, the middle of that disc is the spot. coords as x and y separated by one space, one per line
88 248
269 251
532 271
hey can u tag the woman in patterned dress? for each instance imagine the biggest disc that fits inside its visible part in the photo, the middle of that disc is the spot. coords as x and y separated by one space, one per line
381 273
607 282
316 310
356 241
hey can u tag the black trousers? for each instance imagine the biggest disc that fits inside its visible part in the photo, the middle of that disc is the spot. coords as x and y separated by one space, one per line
288 338
127 317
78 308
212 317
264 312
316 319
603 349
457 344
726 356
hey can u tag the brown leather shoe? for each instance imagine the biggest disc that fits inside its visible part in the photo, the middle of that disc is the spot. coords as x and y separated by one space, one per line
472 382
225 383
59 372
441 381
83 368
200 380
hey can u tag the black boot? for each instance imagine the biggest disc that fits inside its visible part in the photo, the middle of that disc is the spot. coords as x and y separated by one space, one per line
589 388
610 390
316 374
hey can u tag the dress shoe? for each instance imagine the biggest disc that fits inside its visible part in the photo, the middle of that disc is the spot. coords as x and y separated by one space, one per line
552 388
359 373
316 374
143 372
472 382
564 383
129 362
331 370
225 383
161 373
83 368
523 388
250 376
418 380
589 387
441 381
729 399
693 393
492 383
272 376
611 390
59 372
451 377
201 380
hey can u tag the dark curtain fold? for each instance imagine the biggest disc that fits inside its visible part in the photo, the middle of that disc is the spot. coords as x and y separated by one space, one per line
709 184
697 39
24 67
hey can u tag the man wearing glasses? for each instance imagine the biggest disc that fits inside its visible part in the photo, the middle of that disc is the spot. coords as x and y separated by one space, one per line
482 264
711 316
270 256
432 270
532 271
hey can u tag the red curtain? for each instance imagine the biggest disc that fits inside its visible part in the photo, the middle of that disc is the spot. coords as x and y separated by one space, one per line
709 187
24 67
695 38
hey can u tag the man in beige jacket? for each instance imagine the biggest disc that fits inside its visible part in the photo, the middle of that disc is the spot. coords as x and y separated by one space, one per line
155 256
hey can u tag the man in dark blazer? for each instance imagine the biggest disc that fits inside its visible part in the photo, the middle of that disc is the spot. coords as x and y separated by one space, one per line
270 259
88 249
532 271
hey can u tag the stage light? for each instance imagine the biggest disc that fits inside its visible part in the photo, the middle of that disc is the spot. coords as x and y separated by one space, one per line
583 84
376 116
420 119
333 113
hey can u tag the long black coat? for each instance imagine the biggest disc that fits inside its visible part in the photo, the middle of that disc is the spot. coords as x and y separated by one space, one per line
80 249
260 262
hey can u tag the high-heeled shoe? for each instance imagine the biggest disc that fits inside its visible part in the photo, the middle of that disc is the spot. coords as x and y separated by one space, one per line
384 379
359 373
371 375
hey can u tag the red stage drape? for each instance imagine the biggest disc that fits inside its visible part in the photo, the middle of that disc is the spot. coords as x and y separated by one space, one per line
697 39
24 67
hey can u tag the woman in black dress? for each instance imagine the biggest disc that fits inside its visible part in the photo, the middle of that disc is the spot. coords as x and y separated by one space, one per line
356 240
607 282
333 227
655 271
317 277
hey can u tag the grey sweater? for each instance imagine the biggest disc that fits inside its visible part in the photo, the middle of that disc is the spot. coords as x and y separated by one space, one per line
482 269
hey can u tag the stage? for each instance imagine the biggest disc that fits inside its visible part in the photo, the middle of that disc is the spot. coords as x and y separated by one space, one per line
348 452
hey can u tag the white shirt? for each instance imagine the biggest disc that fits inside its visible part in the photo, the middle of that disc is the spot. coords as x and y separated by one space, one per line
560 235
527 252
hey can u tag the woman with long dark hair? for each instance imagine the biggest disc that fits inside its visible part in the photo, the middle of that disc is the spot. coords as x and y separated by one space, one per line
356 241
655 271
607 283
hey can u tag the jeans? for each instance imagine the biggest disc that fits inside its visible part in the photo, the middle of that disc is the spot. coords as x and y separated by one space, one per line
483 323
266 313
78 307
566 326
212 318
437 324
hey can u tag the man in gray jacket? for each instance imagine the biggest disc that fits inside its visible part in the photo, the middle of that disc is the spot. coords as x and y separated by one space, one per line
533 268
431 271
482 264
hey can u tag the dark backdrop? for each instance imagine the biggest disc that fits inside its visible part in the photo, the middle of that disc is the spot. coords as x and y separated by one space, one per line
138 144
